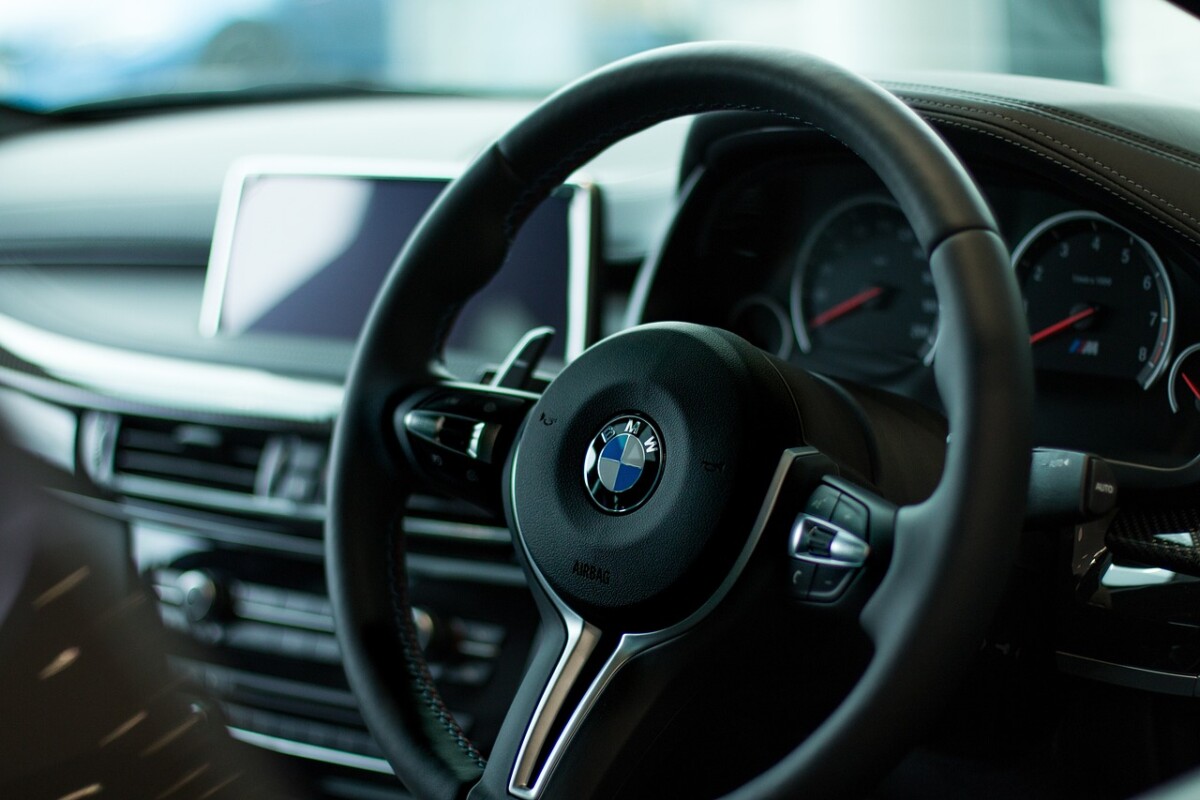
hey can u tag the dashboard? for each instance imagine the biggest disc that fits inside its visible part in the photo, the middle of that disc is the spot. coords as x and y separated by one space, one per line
212 451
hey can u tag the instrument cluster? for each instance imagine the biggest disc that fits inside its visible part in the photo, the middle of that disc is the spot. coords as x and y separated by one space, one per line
817 264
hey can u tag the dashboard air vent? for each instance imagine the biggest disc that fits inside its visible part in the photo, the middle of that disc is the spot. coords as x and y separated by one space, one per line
200 455
235 469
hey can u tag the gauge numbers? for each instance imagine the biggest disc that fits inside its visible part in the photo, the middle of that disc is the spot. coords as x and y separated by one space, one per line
1098 299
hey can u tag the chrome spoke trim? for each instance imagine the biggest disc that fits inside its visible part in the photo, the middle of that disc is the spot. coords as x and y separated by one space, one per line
582 639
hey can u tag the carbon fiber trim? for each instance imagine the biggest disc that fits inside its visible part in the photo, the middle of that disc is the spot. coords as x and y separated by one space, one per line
1167 537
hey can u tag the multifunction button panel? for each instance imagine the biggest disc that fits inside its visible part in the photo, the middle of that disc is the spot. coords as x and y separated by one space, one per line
828 545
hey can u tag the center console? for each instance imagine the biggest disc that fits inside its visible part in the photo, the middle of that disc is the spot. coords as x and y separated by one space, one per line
250 626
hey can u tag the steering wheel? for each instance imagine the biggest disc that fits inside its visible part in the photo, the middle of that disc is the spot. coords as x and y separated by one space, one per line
674 486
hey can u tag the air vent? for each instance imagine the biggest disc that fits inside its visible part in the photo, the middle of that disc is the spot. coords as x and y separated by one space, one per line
199 455
234 469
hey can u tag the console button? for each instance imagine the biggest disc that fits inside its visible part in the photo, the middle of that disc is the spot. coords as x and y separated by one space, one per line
200 596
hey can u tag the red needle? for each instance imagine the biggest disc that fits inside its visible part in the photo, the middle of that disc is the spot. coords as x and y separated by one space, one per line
1050 330
846 306
1190 385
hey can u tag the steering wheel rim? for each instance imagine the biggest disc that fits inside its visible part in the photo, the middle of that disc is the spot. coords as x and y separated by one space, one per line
940 587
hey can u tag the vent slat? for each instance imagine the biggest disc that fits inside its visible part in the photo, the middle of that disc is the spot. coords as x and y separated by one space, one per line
157 441
186 470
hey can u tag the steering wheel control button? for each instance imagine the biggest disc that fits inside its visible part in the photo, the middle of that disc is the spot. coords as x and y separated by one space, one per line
850 515
849 549
823 502
623 463
819 541
459 438
823 542
447 430
829 582
801 578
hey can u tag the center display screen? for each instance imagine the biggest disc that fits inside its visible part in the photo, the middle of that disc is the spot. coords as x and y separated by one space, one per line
302 250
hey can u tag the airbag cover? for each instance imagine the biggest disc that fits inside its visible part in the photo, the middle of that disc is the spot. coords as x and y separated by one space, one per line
722 415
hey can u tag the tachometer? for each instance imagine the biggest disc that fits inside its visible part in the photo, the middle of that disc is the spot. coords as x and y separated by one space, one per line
1098 298
862 283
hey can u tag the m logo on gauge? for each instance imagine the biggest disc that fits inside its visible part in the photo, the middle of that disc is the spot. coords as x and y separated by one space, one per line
622 464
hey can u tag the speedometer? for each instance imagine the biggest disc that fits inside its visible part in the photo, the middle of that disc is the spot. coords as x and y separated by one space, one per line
862 283
1098 298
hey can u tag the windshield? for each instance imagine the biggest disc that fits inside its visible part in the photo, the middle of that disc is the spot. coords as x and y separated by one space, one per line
60 53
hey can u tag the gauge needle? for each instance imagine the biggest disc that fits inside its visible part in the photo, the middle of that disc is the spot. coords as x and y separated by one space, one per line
1190 385
846 306
1063 324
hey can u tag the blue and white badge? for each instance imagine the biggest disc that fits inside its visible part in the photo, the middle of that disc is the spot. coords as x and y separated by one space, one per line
622 464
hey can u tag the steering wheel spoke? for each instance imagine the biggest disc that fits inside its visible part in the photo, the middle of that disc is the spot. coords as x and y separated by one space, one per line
457 436
593 698
585 715
571 689
568 673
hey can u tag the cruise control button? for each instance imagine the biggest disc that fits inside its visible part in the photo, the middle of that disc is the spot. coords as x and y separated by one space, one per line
851 515
822 502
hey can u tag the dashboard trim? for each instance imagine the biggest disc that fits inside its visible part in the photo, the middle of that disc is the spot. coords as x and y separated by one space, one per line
175 383
312 752
1150 680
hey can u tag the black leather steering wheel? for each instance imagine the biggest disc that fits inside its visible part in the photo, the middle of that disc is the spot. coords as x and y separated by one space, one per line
674 481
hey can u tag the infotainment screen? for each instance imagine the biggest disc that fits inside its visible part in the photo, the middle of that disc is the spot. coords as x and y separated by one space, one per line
302 248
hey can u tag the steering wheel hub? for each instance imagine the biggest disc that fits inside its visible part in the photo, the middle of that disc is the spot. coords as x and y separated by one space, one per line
671 478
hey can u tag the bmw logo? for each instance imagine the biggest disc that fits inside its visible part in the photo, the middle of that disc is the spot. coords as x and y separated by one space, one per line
622 464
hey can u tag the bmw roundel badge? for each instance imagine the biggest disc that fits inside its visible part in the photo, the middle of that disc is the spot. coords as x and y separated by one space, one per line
622 465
